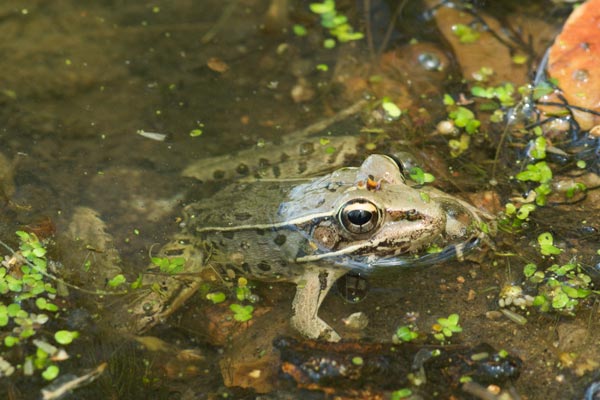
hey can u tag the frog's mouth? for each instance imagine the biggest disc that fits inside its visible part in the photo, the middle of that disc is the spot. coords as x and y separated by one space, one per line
342 257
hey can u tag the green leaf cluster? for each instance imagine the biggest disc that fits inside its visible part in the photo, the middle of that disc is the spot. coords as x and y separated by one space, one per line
446 327
462 118
337 23
514 217
541 173
169 265
241 313
546 242
503 93
544 88
561 287
406 333
26 294
465 33
419 176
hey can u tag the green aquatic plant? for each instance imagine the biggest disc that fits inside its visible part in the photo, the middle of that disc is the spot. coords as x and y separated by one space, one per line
446 327
560 287
392 111
335 22
401 394
419 176
241 313
27 310
503 93
169 265
541 173
216 297
463 119
465 33
406 333
547 247
117 281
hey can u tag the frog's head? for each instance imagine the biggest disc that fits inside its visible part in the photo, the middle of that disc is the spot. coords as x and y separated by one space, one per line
374 215
370 216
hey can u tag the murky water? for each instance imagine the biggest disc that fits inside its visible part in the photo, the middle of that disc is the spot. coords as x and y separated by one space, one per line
80 80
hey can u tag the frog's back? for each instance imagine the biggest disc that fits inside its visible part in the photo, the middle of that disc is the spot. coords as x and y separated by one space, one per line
244 231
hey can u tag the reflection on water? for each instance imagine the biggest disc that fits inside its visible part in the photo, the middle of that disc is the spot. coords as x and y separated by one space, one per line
80 79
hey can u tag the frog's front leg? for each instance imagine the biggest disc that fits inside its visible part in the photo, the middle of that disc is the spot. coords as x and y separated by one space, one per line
311 289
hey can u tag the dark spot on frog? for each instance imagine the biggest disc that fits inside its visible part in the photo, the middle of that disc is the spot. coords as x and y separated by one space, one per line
302 166
306 149
260 232
284 157
242 169
301 253
218 174
280 240
228 235
244 245
264 266
246 268
263 163
242 216
276 171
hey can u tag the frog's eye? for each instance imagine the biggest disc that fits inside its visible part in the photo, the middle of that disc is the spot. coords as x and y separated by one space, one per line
359 216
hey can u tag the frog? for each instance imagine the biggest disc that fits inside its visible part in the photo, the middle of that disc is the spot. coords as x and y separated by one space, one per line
311 233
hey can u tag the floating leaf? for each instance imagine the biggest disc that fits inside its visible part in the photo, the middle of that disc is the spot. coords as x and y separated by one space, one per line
217 297
65 337
50 373
117 281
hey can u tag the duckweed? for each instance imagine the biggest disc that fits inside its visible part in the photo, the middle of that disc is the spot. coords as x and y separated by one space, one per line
406 333
465 33
26 306
401 394
169 265
446 327
419 176
338 25
503 93
241 313
546 242
560 287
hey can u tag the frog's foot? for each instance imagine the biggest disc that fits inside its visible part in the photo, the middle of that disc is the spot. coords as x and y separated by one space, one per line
161 293
311 289
92 242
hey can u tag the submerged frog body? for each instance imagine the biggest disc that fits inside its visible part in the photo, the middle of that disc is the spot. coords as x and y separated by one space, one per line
312 233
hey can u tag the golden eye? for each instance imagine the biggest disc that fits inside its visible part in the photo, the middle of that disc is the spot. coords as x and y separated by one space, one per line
359 216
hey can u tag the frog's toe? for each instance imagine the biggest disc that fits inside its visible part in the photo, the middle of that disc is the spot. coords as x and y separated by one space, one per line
315 328
332 336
